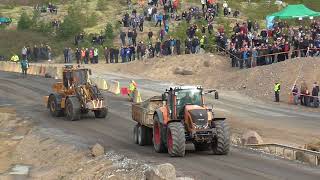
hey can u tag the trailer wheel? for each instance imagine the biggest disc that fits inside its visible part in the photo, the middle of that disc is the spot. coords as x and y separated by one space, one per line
176 140
158 143
101 113
53 106
221 144
142 135
73 111
135 133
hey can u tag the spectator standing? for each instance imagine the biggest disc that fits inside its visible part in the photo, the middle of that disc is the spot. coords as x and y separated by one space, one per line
116 55
129 34
87 56
106 54
91 55
35 53
78 55
159 19
315 94
123 38
150 34
69 55
96 55
65 54
24 52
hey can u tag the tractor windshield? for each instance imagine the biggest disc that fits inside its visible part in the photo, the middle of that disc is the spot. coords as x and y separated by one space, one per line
189 96
81 76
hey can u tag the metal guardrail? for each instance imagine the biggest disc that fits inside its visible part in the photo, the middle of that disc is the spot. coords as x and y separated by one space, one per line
314 154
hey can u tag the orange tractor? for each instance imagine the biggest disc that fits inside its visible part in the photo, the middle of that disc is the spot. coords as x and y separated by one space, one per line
178 117
76 95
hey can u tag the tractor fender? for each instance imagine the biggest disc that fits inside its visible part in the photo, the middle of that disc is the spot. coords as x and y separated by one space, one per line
160 115
58 98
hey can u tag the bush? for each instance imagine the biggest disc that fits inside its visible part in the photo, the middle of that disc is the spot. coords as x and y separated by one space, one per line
24 22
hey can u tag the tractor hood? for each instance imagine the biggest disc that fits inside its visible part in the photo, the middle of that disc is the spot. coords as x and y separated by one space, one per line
198 115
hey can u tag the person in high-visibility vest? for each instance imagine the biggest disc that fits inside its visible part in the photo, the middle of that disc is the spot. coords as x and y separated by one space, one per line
132 88
277 92
15 58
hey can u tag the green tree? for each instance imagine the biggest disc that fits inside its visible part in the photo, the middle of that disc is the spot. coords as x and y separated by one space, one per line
109 33
24 22
92 20
71 24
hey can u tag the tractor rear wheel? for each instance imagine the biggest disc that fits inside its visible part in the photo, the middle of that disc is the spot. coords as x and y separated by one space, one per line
142 135
221 144
53 105
176 140
73 109
158 144
101 113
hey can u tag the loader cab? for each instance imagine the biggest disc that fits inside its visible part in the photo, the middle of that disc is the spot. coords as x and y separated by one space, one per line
177 98
72 76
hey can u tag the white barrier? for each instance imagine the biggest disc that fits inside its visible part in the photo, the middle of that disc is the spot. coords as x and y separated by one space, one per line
101 83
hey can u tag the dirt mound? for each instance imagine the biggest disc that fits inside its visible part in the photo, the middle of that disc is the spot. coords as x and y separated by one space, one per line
214 71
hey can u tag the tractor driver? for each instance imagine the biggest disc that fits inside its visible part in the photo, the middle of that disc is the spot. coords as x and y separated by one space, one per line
186 99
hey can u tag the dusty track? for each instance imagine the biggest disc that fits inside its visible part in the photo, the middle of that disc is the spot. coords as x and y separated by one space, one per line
115 132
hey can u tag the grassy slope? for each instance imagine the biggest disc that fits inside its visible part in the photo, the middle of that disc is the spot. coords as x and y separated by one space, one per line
15 40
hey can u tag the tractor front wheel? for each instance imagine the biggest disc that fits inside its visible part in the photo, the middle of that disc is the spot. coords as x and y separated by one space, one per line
221 144
176 140
73 109
101 113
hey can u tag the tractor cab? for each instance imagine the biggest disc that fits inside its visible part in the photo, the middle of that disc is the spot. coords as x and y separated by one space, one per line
179 97
186 103
75 76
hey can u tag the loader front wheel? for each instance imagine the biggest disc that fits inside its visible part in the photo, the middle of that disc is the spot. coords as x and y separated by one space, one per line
101 113
73 109
54 107
221 143
176 140
158 143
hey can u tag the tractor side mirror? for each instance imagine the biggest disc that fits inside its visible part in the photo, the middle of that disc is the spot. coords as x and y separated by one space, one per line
164 97
216 95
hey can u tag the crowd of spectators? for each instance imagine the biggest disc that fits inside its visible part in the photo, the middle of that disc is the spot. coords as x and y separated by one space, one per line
36 53
250 46
51 8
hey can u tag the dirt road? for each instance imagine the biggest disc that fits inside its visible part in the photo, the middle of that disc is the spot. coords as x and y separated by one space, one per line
115 132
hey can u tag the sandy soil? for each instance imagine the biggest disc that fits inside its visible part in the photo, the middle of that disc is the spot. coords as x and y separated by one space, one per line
21 143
